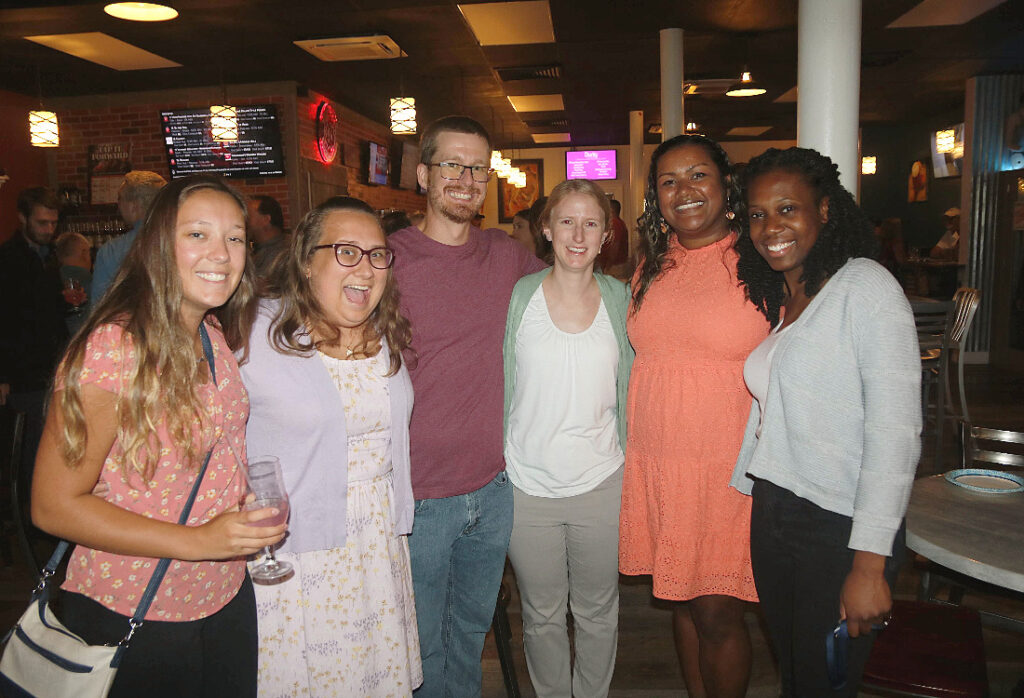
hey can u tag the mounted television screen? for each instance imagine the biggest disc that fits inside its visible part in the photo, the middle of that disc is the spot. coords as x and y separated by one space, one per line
948 164
410 158
377 169
590 164
192 150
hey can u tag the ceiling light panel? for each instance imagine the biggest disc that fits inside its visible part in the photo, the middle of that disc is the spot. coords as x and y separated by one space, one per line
789 95
525 103
140 11
104 49
551 137
510 23
939 13
748 130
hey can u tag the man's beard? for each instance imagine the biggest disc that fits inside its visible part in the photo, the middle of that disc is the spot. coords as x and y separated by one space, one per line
455 212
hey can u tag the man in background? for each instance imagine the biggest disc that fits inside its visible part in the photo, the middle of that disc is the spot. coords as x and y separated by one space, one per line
137 191
32 329
614 256
265 228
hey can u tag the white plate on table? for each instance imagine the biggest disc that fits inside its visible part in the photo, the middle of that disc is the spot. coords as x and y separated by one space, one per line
988 481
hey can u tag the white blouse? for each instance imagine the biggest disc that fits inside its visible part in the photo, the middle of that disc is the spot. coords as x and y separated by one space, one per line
562 437
757 369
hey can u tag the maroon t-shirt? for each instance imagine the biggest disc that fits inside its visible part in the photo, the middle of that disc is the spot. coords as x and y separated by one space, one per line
457 299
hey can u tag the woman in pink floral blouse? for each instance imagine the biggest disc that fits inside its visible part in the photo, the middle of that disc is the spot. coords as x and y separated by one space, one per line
133 415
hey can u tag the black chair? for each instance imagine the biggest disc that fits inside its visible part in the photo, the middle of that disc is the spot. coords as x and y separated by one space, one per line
503 638
12 436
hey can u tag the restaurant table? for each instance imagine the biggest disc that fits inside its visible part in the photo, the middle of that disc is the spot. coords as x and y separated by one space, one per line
978 534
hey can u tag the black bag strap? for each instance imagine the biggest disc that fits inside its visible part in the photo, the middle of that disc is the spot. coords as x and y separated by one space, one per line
161 569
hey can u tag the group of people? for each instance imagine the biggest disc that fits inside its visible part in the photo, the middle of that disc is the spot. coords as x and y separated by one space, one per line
440 398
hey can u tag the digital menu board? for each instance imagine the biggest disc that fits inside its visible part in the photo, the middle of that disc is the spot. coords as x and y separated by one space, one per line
192 150
590 164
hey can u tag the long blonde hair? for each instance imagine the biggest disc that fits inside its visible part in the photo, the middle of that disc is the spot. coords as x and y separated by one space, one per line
145 301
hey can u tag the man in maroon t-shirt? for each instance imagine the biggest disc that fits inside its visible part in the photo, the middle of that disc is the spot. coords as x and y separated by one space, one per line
456 281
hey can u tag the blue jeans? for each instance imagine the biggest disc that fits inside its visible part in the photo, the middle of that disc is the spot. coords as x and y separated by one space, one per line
457 549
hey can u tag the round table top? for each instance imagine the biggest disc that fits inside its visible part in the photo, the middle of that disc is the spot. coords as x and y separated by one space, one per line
974 533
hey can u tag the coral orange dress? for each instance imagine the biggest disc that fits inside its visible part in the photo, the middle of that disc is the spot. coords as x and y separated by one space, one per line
687 409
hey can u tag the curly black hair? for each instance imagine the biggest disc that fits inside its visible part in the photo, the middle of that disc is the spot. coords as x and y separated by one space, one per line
848 232
654 231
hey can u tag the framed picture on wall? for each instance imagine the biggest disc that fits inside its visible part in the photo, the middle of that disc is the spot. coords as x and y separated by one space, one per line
512 200
917 182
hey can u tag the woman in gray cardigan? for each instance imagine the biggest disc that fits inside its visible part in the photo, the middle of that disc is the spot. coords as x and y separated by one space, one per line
567 362
833 438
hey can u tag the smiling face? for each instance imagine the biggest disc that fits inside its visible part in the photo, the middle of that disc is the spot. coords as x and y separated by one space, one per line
691 195
209 251
576 228
347 295
457 200
785 219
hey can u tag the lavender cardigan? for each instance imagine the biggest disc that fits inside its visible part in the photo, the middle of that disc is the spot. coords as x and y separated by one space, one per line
296 414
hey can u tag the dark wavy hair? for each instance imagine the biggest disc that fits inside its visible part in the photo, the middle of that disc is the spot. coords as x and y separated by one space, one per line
848 232
299 309
654 231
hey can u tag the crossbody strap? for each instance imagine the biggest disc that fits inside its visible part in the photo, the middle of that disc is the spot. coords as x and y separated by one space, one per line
161 569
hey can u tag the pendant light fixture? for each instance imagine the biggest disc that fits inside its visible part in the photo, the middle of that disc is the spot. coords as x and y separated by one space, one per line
746 87
403 115
223 123
42 124
868 165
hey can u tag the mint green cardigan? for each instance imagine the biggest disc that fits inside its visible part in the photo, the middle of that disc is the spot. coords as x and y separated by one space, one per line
615 295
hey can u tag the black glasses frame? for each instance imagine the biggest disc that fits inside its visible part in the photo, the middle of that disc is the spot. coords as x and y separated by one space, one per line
389 254
473 169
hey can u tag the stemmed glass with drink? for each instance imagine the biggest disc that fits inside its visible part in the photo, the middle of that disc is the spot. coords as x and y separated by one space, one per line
266 485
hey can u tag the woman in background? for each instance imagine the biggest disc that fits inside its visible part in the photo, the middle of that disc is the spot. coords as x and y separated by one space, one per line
692 327
833 438
331 398
133 415
567 362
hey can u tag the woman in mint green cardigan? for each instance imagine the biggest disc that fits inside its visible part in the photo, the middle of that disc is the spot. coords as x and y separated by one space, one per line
567 363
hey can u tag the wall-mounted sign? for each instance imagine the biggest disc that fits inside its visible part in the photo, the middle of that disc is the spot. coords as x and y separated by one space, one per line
326 132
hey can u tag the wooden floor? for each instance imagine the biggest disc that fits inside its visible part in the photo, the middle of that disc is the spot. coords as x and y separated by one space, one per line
646 666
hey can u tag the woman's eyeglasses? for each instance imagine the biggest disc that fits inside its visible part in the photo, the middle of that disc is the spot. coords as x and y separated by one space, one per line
349 255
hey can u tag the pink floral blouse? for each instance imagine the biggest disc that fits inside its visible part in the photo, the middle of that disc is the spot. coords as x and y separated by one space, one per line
190 590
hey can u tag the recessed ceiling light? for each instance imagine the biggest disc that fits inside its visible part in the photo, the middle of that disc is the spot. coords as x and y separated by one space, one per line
104 49
141 11
510 23
551 137
524 103
748 130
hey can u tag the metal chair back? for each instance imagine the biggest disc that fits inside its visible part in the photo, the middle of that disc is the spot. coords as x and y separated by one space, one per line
992 450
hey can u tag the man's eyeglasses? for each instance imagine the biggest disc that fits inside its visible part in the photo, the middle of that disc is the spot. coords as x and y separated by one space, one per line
453 171
349 255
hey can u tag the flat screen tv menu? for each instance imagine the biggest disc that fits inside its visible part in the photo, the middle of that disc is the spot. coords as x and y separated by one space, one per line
192 150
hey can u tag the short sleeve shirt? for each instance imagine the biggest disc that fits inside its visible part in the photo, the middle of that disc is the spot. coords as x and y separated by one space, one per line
190 590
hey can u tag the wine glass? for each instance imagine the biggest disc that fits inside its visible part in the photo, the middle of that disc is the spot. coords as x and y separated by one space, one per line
266 484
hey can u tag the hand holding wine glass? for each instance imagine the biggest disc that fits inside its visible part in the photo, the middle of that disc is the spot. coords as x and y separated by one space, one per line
267 490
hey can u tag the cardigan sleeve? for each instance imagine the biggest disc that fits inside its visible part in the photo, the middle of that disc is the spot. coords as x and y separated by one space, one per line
888 359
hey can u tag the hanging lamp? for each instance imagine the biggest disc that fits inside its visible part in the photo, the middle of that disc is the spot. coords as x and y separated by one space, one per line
223 123
746 87
42 129
403 115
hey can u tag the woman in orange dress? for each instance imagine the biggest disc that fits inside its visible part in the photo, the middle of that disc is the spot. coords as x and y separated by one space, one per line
692 327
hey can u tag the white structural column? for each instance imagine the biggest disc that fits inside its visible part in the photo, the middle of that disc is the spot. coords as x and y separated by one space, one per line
671 83
637 177
828 81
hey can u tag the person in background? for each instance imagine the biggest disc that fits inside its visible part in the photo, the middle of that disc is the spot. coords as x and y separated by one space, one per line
330 395
892 251
394 220
416 219
266 230
75 259
833 437
32 328
137 191
478 220
521 232
948 246
567 362
614 257
134 414
543 245
456 281
692 327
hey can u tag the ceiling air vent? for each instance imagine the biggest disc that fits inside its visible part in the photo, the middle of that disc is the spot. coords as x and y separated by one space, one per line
530 72
548 123
353 48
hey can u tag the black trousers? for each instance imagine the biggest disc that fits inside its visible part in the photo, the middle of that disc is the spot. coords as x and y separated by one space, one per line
214 656
800 560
